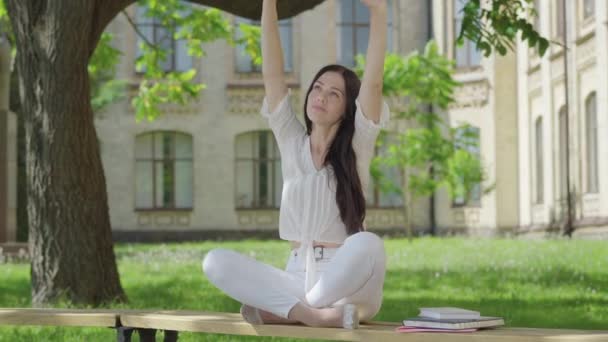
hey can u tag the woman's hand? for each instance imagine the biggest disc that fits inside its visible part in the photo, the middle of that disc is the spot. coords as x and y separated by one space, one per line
375 5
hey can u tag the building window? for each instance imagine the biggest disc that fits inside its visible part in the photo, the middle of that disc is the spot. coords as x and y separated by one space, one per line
353 30
559 20
563 153
376 196
591 142
259 180
588 9
537 15
467 55
244 63
163 171
177 58
538 130
470 136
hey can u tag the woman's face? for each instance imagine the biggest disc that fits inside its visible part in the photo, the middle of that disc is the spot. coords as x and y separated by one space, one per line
327 99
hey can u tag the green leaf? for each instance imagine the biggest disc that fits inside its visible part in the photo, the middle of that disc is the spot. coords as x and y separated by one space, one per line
497 28
424 82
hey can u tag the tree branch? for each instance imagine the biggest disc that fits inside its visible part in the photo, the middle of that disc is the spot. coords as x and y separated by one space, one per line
139 33
104 12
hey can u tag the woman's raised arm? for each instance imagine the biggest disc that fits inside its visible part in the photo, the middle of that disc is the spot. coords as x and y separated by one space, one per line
272 55
370 95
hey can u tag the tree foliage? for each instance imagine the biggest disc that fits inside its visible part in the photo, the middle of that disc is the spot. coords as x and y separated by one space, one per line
195 25
494 25
430 151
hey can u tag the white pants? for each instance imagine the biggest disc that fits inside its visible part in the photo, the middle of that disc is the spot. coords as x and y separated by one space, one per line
352 273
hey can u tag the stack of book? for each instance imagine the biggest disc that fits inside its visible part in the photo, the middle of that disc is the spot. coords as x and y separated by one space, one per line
448 319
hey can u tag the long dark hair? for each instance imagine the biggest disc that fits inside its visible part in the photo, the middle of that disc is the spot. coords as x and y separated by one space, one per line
341 156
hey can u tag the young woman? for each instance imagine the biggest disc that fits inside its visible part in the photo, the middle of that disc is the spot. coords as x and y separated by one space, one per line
335 272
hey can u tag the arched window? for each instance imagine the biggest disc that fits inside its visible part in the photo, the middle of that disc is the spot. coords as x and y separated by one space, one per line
163 171
591 143
375 196
538 157
258 173
467 55
559 20
563 154
468 138
588 8
158 34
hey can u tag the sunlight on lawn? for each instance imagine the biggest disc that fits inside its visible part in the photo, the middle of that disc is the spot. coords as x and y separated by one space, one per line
520 280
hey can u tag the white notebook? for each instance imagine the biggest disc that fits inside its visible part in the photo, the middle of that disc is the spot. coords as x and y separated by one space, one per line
448 313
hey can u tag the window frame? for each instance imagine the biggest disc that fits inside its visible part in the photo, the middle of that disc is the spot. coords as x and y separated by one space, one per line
140 20
563 161
256 160
289 65
354 25
591 145
558 21
172 160
469 47
473 198
539 178
376 193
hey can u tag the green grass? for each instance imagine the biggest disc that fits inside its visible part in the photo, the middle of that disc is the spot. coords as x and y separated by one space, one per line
531 283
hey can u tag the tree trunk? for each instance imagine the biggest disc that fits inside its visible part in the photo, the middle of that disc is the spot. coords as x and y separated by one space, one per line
407 204
70 235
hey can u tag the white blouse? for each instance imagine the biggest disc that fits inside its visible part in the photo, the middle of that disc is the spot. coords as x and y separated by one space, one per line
308 210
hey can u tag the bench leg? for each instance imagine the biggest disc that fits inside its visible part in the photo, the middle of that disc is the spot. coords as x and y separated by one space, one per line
170 336
124 334
147 335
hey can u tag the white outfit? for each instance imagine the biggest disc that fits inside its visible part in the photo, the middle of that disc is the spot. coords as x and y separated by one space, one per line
308 213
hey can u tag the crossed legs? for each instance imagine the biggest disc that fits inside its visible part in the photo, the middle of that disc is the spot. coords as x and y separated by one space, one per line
354 275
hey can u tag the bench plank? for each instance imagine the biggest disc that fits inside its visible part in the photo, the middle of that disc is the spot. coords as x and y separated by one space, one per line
60 317
229 323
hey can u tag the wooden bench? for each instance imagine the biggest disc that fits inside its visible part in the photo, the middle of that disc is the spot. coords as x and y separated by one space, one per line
80 318
147 322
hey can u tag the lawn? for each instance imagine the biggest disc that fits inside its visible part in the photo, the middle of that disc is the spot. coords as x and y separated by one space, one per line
531 283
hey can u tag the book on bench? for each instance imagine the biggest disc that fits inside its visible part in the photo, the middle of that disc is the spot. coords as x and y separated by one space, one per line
448 313
481 322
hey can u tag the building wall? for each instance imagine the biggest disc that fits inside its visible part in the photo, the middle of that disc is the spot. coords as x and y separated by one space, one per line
486 99
543 86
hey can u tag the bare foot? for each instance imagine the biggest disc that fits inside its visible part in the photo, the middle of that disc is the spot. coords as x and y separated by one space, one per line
329 317
270 318
339 317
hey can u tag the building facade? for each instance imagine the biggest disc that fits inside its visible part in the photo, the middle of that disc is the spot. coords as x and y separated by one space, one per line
541 123
563 122
486 99
213 165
